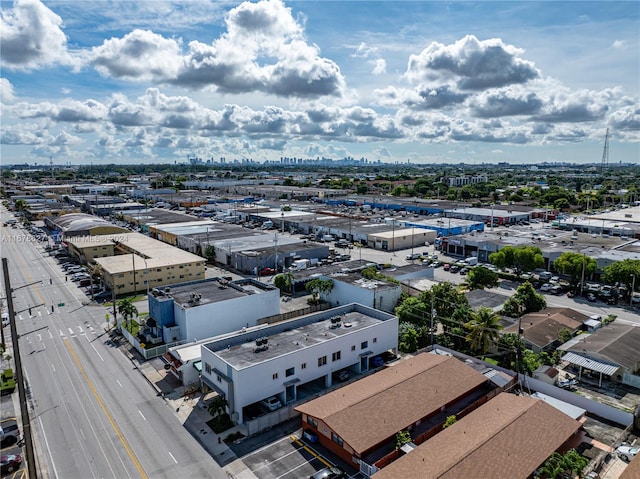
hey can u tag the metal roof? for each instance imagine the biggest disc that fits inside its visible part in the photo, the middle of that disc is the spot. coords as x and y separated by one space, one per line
598 366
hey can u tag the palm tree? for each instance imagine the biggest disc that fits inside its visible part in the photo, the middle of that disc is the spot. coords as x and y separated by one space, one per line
483 329
217 407
127 309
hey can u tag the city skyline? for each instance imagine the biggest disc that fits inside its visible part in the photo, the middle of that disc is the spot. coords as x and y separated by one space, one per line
419 82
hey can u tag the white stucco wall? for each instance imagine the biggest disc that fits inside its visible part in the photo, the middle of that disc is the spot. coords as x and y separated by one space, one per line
254 383
213 319
384 299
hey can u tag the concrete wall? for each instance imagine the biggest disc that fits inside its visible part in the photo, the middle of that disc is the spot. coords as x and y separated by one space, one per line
209 320
384 298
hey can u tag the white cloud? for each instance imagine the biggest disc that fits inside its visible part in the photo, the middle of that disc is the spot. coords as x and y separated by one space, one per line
31 36
472 64
379 66
140 55
7 94
619 44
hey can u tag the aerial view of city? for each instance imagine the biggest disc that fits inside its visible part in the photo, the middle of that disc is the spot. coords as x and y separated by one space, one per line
291 239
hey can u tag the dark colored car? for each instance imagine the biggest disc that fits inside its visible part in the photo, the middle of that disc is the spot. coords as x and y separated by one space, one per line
12 462
267 271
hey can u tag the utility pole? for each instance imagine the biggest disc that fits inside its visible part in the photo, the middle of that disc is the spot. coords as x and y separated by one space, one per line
26 421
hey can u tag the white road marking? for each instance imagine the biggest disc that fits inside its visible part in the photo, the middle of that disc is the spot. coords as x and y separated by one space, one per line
53 367
70 331
80 329
39 337
39 313
142 414
62 334
94 348
50 335
174 459
119 384
20 317
53 465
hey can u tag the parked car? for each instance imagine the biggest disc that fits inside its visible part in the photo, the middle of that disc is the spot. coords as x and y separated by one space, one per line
464 271
627 452
546 287
454 268
554 280
343 375
267 271
329 473
377 361
412 257
10 463
447 267
591 297
271 404
635 299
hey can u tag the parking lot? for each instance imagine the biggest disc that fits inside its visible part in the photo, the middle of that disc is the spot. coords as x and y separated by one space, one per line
286 458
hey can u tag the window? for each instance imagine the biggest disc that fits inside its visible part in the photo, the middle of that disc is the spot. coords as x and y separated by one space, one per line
322 361
207 368
335 438
375 340
219 379
312 422
364 344
303 366
290 372
335 356
275 375
353 348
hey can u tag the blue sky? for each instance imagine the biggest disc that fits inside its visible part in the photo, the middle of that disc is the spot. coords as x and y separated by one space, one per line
425 82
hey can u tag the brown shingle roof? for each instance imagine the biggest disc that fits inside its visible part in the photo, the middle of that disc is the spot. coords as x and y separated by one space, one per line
508 437
542 328
633 469
375 408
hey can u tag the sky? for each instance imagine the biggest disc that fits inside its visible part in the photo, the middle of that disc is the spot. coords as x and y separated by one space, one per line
420 82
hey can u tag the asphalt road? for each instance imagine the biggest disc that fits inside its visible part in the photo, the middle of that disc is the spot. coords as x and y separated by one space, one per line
92 413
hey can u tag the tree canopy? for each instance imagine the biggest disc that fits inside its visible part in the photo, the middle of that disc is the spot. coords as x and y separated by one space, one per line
576 265
623 272
525 300
483 328
481 277
520 258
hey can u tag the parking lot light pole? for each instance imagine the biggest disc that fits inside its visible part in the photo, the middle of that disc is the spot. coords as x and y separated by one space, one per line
633 287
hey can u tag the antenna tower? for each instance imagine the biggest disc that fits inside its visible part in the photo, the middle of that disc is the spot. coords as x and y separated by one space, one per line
605 152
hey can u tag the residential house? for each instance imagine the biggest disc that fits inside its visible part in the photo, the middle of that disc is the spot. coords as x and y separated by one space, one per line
359 422
508 437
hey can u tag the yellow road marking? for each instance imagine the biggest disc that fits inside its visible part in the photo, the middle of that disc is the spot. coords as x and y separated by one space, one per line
311 451
106 412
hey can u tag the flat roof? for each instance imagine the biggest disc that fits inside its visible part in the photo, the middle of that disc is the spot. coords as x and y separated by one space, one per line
244 355
295 335
149 253
213 290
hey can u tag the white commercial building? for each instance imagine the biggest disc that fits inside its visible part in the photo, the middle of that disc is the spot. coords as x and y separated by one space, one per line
204 309
295 359
352 287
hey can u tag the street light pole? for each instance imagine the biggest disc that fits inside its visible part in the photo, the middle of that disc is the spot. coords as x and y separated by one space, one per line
633 287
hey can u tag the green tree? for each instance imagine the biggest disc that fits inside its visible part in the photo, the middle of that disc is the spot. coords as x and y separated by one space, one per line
408 338
127 309
520 258
284 282
21 205
530 362
508 345
218 407
450 421
563 466
483 328
525 300
318 286
481 277
402 437
564 335
575 265
413 310
625 272
451 306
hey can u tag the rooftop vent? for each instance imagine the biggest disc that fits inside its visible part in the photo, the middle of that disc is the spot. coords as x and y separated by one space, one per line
262 344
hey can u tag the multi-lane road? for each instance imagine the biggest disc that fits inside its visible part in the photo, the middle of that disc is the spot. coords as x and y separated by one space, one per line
92 413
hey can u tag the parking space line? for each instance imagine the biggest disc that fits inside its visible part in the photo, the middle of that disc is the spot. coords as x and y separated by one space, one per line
311 451
268 464
296 468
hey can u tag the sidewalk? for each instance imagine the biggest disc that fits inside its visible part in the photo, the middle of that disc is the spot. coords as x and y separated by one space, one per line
192 414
